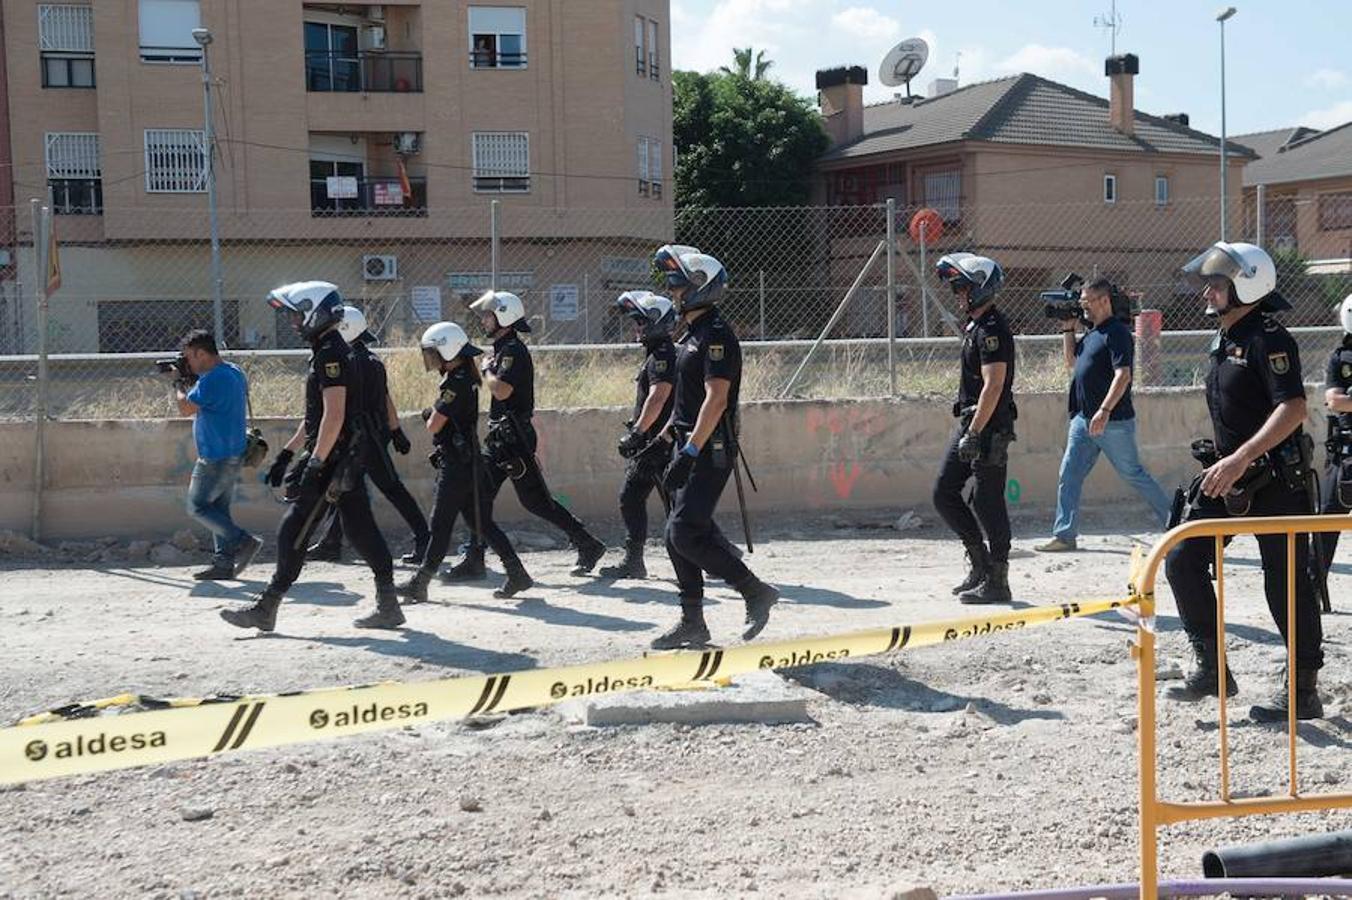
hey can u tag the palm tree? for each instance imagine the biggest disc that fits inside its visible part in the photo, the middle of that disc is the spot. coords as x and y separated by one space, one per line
746 66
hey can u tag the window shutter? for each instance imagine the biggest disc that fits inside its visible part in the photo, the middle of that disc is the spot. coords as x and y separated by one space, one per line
73 155
176 160
65 28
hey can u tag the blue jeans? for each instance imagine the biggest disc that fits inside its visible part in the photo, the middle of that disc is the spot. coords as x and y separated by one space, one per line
209 495
1118 443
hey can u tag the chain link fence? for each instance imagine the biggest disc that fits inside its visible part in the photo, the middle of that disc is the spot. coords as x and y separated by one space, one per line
135 280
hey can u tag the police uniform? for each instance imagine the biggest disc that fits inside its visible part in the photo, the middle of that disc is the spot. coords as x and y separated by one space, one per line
457 449
332 364
1333 501
986 340
1255 366
709 350
511 442
644 472
379 466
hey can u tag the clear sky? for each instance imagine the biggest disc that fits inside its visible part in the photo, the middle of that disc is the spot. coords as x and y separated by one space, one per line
1288 62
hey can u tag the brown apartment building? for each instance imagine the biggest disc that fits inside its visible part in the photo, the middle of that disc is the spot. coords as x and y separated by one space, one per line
1042 176
356 142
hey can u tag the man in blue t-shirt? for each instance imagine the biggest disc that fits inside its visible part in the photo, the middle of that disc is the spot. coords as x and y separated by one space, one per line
1101 415
217 401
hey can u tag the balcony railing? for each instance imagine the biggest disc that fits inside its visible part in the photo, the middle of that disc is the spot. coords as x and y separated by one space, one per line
374 196
494 59
77 196
367 71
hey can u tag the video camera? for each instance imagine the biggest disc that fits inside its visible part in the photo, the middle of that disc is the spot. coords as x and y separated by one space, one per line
178 367
1064 305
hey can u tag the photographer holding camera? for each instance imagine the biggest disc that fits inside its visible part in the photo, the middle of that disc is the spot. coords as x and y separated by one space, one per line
214 394
1102 419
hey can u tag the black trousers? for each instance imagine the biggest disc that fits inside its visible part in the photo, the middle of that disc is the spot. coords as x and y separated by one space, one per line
641 477
455 498
992 516
1188 570
307 512
694 541
529 483
1329 505
381 472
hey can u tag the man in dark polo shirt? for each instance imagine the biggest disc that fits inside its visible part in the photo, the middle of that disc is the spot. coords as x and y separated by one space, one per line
1101 416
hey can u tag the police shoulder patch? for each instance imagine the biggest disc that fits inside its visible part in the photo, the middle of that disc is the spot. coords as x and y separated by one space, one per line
1280 363
448 396
333 369
991 342
659 366
504 364
1347 370
715 352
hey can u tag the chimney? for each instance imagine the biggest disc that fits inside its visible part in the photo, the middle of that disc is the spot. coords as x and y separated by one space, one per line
840 94
1121 72
1178 119
940 86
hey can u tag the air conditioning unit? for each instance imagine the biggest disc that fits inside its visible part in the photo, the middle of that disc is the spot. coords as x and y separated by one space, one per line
406 143
375 12
375 37
380 267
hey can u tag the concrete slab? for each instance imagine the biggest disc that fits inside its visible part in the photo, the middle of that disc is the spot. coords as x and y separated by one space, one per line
758 697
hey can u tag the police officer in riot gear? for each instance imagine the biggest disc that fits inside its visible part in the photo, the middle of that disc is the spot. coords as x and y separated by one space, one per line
384 422
1337 487
463 488
703 428
979 448
643 446
509 376
1256 399
327 477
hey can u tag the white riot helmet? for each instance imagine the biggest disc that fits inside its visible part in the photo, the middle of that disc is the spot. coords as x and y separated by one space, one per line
444 342
981 274
353 328
686 267
1345 314
1247 267
653 313
314 306
505 307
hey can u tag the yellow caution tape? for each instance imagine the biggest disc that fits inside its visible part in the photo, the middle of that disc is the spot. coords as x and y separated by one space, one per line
194 728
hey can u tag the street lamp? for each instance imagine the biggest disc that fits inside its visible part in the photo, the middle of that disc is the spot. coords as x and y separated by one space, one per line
203 38
1221 17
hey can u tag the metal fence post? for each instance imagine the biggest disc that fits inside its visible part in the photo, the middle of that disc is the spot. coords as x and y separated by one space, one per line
41 231
586 307
1259 202
924 283
493 237
891 297
761 273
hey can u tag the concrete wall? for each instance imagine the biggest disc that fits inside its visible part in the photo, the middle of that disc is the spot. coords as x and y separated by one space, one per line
128 478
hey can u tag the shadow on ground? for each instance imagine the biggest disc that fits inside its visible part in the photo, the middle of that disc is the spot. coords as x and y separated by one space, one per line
541 610
409 643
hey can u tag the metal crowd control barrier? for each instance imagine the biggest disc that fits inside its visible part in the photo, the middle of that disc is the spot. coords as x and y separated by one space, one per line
1154 811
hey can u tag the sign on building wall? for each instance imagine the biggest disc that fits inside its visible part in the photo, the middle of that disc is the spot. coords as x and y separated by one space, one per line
426 302
633 266
341 187
478 282
388 193
563 302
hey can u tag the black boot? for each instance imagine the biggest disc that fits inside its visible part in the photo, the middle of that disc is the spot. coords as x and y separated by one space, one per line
1202 680
631 566
325 551
217 572
994 588
589 551
689 632
415 589
262 615
759 597
471 568
979 563
1308 704
387 614
518 579
414 557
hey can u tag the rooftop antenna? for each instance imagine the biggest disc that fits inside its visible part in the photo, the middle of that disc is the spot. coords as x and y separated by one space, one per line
903 62
1112 23
957 64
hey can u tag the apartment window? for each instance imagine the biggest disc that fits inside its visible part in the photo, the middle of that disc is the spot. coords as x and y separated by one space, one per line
1161 190
332 60
655 166
74 173
653 52
640 50
943 193
502 161
497 37
166 31
1109 188
176 161
643 178
1335 211
66 45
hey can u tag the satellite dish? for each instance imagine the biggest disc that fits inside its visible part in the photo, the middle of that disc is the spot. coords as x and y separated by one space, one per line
903 62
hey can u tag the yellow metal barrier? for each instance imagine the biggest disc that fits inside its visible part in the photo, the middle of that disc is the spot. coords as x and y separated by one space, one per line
1156 812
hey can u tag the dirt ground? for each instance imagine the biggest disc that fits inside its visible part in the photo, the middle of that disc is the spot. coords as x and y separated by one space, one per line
981 766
